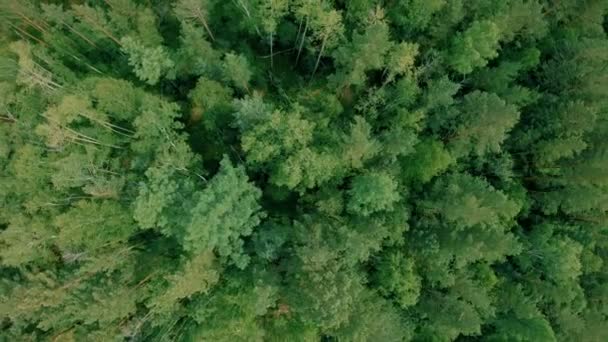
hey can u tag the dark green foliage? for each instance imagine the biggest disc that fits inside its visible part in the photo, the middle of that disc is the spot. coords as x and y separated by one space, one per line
304 170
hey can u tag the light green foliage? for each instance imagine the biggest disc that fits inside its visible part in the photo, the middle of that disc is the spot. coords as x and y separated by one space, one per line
429 159
470 301
270 13
154 205
474 47
147 27
209 99
459 207
501 79
155 126
314 301
199 275
306 168
223 212
397 277
233 311
556 258
372 192
31 74
237 70
440 93
521 17
25 240
90 225
566 134
521 319
116 97
280 142
148 64
195 56
374 318
467 201
359 146
366 52
209 94
401 138
401 60
327 26
196 11
414 15
483 123
537 329
251 110
279 135
303 170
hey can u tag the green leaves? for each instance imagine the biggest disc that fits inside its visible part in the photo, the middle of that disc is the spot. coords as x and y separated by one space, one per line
280 135
401 59
270 13
396 276
194 10
429 159
26 240
236 68
209 100
372 192
359 146
149 64
303 170
414 15
198 275
91 225
469 201
366 52
484 121
214 218
224 212
154 206
474 47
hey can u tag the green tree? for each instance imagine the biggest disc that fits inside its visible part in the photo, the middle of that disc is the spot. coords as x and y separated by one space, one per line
196 11
483 124
327 28
236 68
372 192
269 15
148 64
227 209
396 277
414 15
366 51
474 47
415 170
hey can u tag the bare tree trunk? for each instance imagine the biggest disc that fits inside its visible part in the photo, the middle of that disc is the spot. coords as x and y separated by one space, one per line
102 29
302 41
201 18
242 5
271 54
319 57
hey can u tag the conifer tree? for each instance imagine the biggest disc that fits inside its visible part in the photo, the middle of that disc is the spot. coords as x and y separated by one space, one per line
303 170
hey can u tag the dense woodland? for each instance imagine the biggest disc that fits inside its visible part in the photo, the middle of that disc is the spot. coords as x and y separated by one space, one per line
304 170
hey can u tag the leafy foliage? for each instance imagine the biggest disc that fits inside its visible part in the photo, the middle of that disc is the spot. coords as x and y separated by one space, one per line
303 170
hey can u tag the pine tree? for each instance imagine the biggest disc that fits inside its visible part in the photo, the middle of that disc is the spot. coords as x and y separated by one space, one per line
305 170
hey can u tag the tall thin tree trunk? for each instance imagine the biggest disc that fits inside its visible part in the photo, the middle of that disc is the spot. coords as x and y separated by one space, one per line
319 57
299 31
302 41
205 25
242 5
271 54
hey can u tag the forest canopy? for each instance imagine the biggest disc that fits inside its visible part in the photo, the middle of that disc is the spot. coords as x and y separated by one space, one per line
304 170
